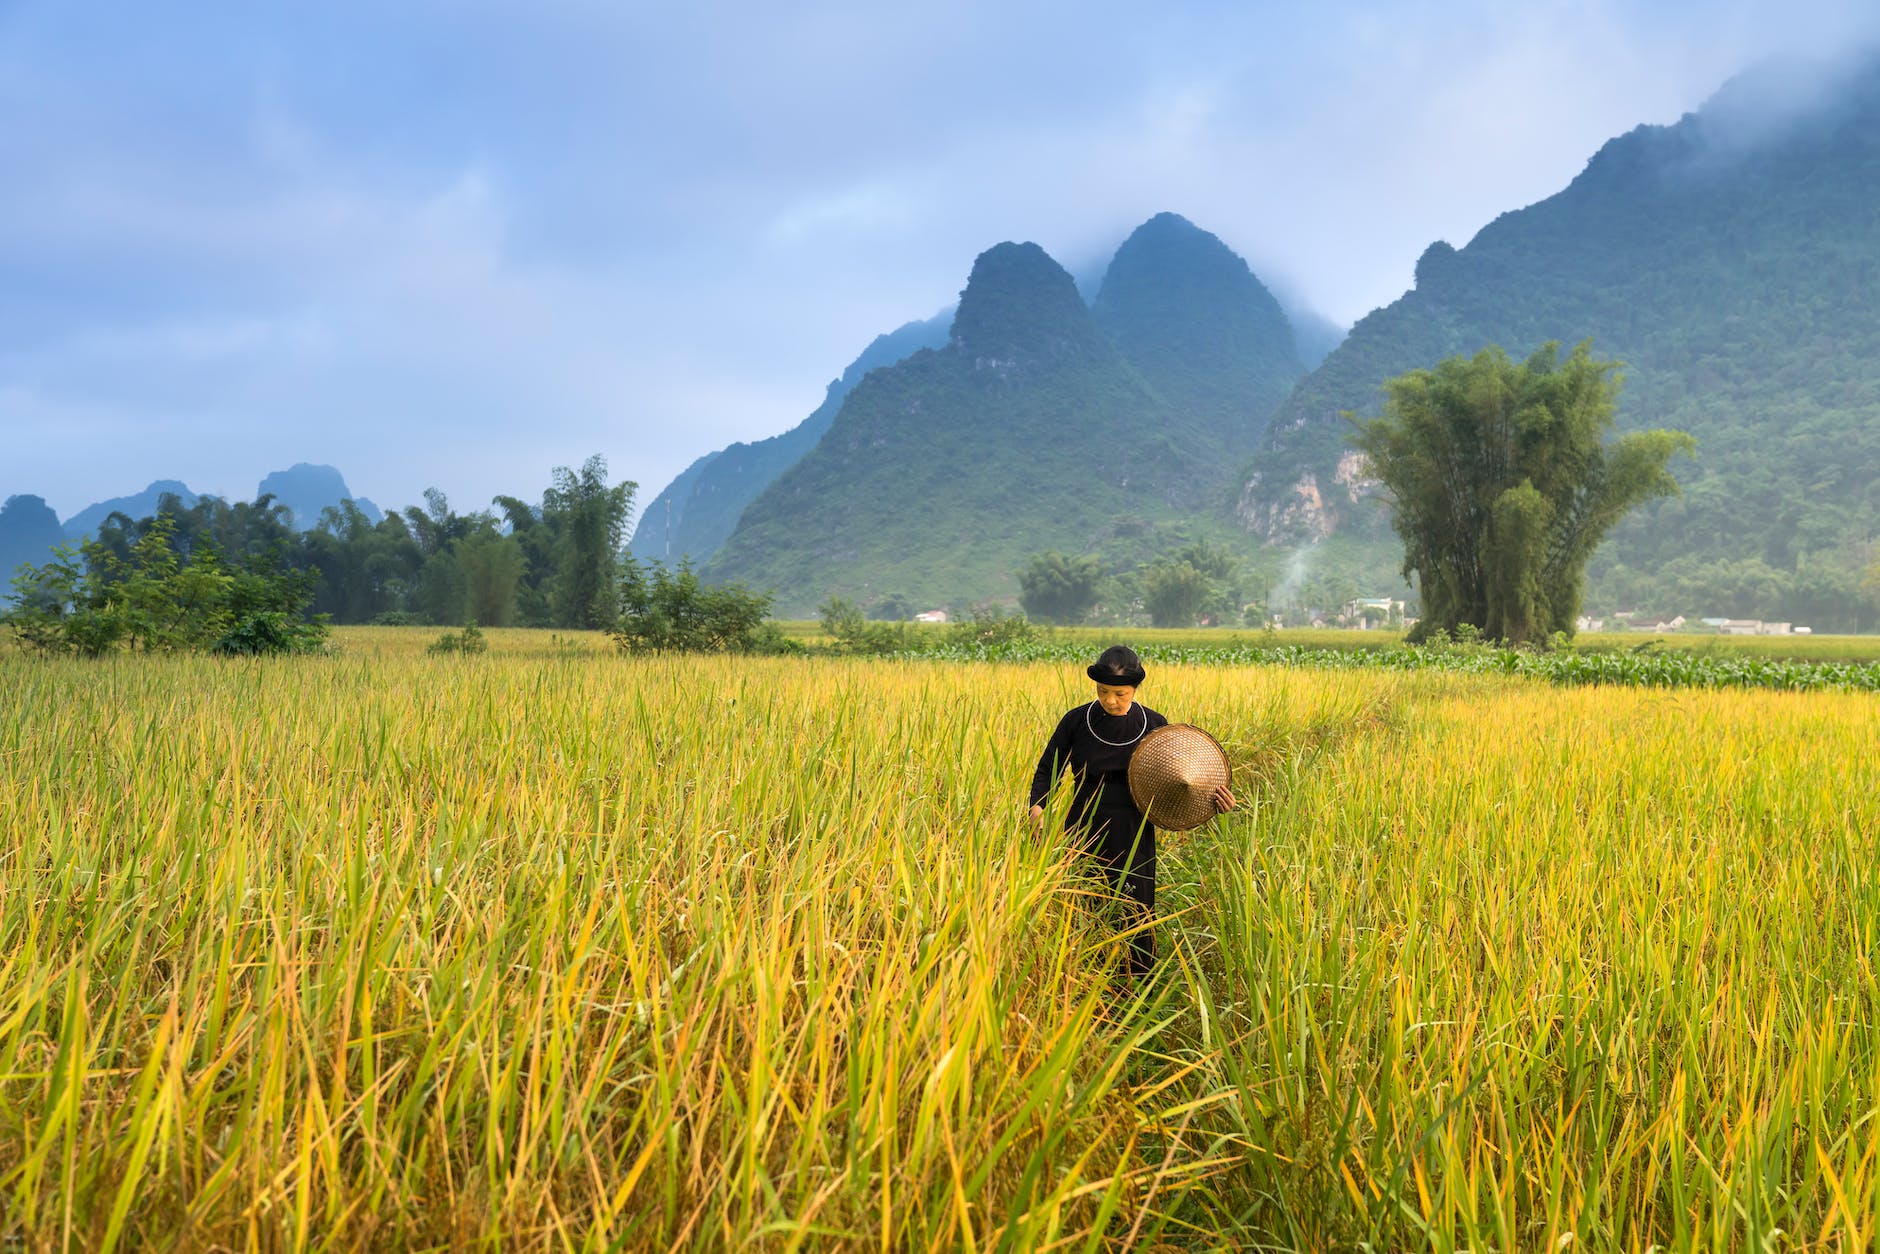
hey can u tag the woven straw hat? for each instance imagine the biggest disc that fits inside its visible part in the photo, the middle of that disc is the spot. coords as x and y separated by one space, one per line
1173 773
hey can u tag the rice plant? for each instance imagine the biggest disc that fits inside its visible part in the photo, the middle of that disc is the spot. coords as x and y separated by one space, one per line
547 947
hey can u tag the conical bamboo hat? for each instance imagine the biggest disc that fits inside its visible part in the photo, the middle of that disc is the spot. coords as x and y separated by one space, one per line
1173 774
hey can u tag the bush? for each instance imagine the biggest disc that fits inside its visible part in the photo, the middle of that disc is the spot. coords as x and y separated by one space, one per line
664 611
271 631
91 601
992 627
850 632
469 640
397 618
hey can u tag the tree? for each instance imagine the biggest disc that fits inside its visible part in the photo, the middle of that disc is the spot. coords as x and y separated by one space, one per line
589 520
1501 486
536 536
364 570
1222 571
672 612
1175 592
150 599
492 566
1060 589
896 607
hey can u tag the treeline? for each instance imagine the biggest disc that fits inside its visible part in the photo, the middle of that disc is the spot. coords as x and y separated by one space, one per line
557 563
1833 591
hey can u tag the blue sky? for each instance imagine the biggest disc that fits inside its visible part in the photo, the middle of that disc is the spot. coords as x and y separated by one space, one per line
458 244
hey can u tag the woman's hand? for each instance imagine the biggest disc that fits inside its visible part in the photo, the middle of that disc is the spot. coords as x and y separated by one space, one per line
1223 799
1037 817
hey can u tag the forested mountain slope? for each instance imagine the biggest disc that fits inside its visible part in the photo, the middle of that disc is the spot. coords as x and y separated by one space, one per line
1041 424
695 513
28 531
1028 430
1186 311
1731 261
140 505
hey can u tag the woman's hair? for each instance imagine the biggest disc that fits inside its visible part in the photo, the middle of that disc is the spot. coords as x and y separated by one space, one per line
1117 665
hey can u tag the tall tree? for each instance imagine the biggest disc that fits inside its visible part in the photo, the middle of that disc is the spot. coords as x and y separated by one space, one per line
492 565
536 536
1175 591
589 518
1870 580
365 570
1502 485
1059 589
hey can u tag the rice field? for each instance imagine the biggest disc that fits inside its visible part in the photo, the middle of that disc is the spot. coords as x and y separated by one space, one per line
549 948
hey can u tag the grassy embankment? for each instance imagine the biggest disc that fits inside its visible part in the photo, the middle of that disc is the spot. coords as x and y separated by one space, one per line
562 949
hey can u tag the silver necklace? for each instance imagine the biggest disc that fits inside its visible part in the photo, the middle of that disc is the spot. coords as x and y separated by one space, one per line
1116 744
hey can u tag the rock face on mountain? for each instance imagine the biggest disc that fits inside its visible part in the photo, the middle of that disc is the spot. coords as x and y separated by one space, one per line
140 505
307 489
697 511
1027 431
28 530
1729 260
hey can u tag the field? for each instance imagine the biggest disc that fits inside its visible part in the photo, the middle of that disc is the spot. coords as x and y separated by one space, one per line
1797 648
552 948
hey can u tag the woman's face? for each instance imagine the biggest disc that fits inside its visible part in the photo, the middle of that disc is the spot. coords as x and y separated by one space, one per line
1115 698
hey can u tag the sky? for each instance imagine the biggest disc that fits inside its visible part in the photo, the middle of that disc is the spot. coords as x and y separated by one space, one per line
458 243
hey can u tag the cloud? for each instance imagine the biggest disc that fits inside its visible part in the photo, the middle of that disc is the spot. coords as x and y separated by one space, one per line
461 245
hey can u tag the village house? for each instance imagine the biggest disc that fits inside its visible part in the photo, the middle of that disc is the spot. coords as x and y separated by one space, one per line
931 616
1372 612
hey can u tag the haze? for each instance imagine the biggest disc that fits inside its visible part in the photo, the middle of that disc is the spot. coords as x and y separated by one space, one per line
460 244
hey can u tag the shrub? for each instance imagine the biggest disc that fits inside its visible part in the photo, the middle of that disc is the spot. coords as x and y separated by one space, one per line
91 601
992 627
469 640
850 632
664 611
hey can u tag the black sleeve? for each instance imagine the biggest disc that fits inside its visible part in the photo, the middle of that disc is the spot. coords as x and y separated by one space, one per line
1051 763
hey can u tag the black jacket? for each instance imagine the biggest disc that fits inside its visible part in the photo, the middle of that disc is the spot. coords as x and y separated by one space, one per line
1097 748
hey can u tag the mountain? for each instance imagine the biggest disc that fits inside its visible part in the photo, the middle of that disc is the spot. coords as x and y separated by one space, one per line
702 506
1030 429
1186 311
1315 334
658 540
307 489
1729 260
28 530
141 505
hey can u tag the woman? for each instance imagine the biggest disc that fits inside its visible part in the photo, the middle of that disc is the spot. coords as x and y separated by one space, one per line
1096 742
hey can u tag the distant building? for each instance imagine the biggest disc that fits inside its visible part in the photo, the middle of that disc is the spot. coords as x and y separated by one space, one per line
931 616
1753 627
1653 623
1368 611
1587 623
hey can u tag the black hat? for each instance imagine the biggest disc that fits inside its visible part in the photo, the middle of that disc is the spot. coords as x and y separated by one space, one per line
1118 666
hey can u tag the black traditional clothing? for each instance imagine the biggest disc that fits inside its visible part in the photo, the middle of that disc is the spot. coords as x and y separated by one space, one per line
1096 747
